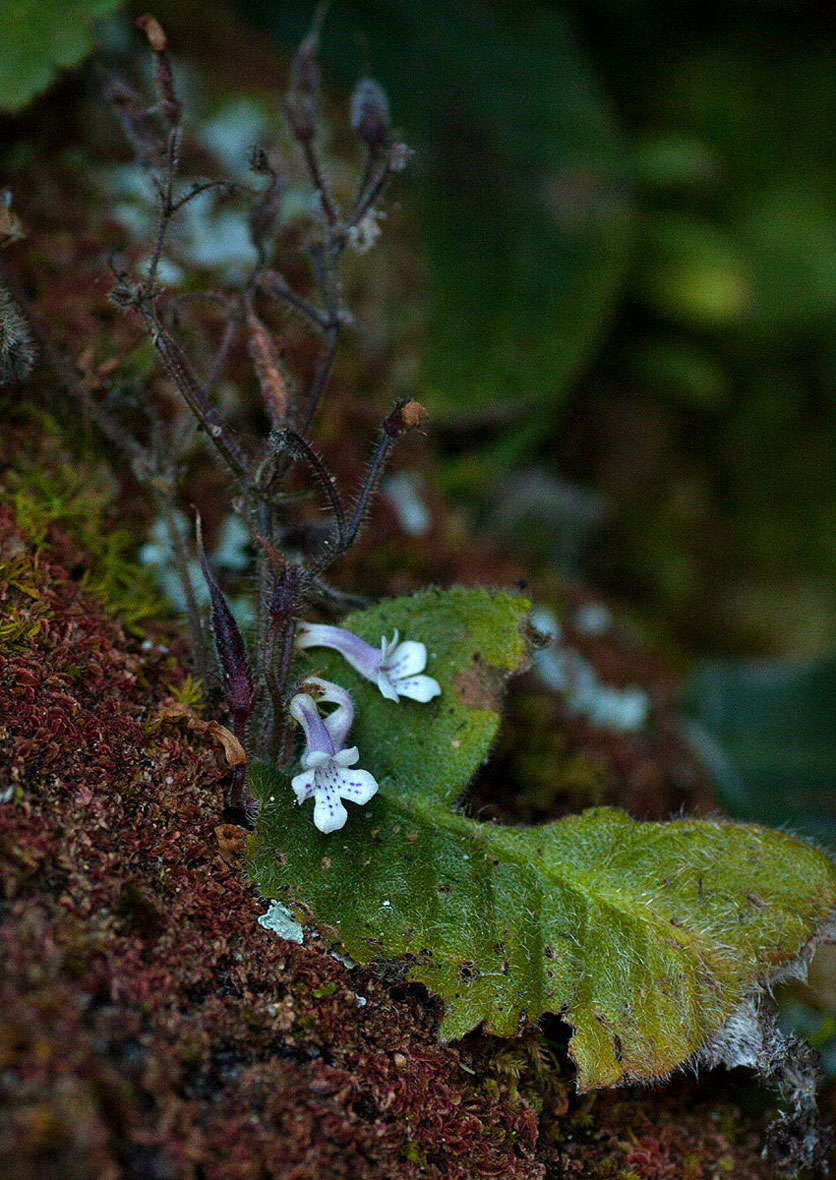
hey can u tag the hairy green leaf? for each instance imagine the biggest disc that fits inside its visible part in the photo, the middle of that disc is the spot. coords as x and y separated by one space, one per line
644 936
40 37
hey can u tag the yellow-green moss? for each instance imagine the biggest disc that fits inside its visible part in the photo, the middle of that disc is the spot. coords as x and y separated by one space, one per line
51 484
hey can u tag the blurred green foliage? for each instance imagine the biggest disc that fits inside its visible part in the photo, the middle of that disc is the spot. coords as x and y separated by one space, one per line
40 37
709 416
774 725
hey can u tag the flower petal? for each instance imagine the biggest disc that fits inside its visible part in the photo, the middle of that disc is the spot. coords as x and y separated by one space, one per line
340 721
387 646
419 688
364 658
357 786
407 659
303 785
346 757
387 687
317 738
311 759
329 814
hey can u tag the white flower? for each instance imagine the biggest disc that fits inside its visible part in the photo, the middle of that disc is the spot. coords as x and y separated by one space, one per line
395 668
326 777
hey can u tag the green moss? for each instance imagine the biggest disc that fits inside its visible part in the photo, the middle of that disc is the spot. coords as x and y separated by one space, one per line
24 620
190 693
49 486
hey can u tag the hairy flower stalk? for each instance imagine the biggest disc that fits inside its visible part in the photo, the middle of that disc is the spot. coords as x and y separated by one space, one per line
394 667
326 777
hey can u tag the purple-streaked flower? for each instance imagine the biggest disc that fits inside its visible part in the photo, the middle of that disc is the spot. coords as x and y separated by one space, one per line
394 667
327 776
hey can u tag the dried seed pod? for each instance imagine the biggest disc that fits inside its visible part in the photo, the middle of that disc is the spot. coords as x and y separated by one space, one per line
271 378
153 30
370 112
169 103
407 416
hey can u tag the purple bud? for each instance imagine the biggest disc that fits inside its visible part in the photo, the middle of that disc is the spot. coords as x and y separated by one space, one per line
236 677
285 595
370 112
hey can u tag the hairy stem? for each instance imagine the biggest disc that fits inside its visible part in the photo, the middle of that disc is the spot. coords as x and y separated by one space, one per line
281 671
227 341
374 474
365 181
297 447
193 394
274 286
324 366
373 193
166 194
315 170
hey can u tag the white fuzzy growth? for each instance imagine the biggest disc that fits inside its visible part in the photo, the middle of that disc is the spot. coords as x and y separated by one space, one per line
751 1038
544 620
740 1041
283 924
363 235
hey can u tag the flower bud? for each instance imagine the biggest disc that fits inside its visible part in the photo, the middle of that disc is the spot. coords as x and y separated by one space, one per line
302 99
236 676
285 596
370 112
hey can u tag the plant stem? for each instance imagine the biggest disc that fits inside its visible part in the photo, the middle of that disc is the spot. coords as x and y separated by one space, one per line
312 162
288 440
165 507
324 366
193 394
